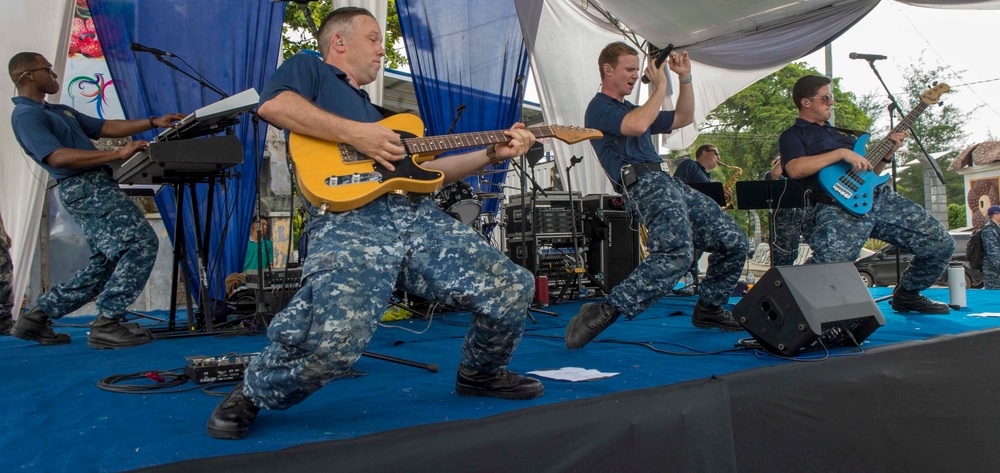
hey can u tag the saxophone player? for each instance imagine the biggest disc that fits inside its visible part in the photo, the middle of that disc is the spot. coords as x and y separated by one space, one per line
706 158
677 217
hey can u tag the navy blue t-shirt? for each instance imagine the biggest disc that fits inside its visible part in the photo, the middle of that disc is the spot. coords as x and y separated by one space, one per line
806 138
41 128
324 85
691 171
615 150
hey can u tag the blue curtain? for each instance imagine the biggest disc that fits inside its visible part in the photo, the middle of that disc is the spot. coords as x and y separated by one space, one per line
466 53
234 44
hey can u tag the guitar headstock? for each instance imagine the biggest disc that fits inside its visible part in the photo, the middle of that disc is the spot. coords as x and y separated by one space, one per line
932 95
574 134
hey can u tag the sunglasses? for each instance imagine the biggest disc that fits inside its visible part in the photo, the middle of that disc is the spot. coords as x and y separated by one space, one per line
825 98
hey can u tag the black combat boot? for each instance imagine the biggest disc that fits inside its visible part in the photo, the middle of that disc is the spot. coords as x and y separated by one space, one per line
709 316
592 319
35 327
231 419
503 384
110 333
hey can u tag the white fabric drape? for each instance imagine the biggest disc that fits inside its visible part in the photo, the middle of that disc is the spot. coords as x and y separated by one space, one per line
40 26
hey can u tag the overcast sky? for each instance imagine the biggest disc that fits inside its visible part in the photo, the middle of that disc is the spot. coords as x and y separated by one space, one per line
961 40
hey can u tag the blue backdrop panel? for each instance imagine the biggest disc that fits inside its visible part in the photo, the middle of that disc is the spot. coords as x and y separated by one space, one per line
234 44
466 53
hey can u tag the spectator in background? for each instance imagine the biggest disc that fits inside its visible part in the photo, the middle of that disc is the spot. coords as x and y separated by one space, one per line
258 239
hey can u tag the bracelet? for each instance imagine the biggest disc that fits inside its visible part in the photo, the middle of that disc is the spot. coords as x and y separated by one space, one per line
686 80
491 153
888 159
151 124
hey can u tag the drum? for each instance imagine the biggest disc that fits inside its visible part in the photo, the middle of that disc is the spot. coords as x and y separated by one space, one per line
458 200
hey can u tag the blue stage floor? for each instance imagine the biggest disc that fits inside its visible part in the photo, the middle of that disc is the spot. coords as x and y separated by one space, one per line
58 420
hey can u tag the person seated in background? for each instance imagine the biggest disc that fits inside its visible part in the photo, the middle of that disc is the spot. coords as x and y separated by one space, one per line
259 247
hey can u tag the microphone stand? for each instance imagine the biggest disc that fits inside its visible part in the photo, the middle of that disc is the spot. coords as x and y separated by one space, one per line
894 106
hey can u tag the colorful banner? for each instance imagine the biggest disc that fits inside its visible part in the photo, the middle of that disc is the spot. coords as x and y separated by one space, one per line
87 83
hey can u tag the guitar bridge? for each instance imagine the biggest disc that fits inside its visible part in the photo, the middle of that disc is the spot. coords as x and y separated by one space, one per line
355 178
842 190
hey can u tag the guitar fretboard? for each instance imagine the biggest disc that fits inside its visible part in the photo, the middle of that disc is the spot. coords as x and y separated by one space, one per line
881 150
436 144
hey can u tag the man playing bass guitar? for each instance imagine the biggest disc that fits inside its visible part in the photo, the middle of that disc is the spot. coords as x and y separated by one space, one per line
812 144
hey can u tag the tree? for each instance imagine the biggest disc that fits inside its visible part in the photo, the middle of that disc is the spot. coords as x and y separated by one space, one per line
296 33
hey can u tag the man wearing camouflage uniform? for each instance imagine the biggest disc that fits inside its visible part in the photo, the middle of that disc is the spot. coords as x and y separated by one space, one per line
6 281
358 257
991 243
123 245
810 145
677 217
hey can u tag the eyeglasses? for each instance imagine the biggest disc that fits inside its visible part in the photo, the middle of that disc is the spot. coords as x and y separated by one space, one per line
49 68
713 151
825 98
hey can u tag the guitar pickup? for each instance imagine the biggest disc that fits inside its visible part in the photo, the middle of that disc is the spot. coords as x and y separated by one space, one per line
355 178
842 190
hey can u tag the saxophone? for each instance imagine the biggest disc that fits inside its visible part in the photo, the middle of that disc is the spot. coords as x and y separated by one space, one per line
730 183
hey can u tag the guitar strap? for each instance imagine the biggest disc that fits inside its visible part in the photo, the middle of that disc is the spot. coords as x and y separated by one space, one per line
386 113
847 131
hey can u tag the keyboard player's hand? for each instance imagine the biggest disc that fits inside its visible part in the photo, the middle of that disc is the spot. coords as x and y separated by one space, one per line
168 121
133 147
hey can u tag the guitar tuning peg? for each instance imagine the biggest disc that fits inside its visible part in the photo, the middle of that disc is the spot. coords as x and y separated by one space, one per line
934 84
940 104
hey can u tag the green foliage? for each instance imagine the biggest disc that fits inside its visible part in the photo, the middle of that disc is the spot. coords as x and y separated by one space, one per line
296 33
956 216
298 225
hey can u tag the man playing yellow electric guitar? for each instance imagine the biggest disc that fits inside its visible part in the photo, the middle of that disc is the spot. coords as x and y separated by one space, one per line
357 257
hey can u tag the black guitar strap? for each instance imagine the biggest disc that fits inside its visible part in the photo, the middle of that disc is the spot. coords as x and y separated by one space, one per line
847 131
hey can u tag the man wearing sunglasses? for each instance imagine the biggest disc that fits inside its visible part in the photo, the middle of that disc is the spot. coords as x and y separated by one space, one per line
122 244
810 145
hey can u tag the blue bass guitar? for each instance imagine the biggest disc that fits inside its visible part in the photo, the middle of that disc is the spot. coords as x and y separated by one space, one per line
854 190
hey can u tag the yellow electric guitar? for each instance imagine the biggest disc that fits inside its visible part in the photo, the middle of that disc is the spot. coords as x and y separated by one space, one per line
337 177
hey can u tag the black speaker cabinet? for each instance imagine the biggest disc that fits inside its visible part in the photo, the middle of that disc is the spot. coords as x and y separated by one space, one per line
793 309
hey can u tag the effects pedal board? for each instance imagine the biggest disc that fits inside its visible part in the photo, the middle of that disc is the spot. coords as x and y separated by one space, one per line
211 369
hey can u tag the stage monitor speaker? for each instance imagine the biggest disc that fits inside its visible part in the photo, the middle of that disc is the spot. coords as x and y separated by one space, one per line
794 309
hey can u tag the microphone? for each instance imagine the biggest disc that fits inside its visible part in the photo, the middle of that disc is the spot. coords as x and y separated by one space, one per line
867 57
660 57
576 160
146 49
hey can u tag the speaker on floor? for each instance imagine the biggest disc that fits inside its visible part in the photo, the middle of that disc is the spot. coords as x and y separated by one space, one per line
794 309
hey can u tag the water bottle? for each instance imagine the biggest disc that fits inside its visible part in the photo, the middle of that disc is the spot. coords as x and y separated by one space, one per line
688 281
751 280
956 283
